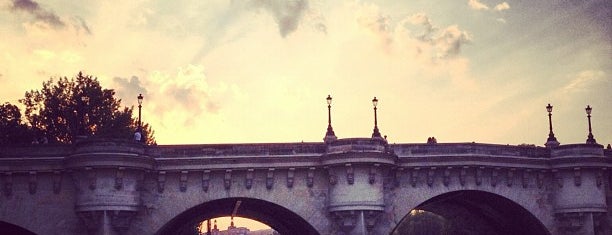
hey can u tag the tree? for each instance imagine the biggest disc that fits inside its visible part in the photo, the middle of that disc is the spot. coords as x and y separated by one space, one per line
12 128
79 106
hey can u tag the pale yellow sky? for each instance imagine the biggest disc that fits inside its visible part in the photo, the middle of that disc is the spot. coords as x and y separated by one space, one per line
224 222
259 71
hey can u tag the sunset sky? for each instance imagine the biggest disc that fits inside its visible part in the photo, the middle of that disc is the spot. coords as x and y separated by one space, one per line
259 70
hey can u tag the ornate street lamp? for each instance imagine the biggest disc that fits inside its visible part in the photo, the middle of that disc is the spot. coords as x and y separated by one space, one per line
590 139
552 141
85 100
376 133
329 135
140 98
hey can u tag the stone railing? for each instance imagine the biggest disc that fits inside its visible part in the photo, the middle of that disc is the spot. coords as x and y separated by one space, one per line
416 150
357 145
582 150
235 149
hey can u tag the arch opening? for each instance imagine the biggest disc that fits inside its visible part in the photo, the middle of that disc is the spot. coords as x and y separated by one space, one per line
8 228
470 212
277 217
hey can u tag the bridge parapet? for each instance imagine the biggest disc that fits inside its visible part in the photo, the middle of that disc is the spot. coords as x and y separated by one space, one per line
351 145
580 193
277 149
355 168
578 150
108 175
455 149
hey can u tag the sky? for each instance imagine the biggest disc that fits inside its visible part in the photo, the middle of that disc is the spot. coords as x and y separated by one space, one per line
256 71
224 222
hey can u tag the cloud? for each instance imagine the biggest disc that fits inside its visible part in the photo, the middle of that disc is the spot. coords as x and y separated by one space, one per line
443 43
502 6
585 80
287 14
371 18
34 9
129 87
450 41
479 6
82 24
476 5
423 20
185 92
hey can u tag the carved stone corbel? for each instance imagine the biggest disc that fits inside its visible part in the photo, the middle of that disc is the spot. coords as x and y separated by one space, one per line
446 177
119 178
494 176
525 178
248 182
332 176
541 178
161 181
372 174
577 176
414 176
479 173
310 177
463 175
270 178
510 177
57 182
183 180
431 174
205 180
350 174
227 179
32 182
290 177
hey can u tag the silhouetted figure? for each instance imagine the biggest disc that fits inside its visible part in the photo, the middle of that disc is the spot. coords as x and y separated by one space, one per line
137 136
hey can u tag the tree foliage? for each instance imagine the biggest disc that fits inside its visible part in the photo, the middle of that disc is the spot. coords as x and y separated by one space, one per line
12 129
68 108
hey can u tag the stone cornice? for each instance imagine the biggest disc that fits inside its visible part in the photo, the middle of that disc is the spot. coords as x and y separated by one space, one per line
111 153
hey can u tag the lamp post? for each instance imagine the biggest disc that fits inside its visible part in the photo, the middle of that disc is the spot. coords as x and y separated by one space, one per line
551 141
376 133
140 98
329 135
85 100
590 139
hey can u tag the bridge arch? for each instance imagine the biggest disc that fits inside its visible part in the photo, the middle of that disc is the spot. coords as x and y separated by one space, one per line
279 218
8 228
471 212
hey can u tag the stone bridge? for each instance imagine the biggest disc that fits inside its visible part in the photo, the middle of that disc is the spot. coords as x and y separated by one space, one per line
343 186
